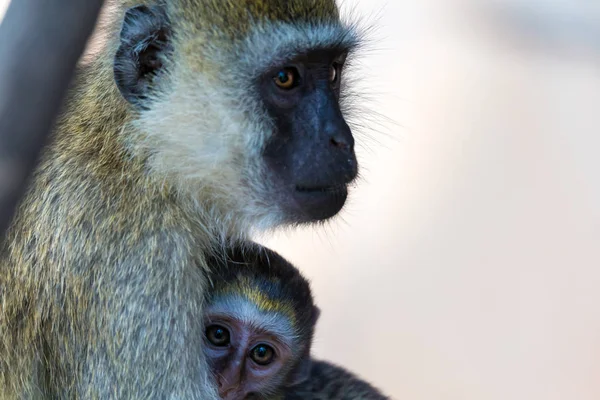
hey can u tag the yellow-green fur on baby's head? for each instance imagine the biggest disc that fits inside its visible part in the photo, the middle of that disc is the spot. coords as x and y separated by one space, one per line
244 287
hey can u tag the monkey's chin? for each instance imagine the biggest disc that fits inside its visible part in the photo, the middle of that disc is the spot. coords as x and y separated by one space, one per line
317 204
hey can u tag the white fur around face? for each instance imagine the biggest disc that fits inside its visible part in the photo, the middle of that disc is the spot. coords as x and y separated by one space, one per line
206 132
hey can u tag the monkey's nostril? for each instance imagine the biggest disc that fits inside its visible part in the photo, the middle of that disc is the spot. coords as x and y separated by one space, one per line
340 143
221 383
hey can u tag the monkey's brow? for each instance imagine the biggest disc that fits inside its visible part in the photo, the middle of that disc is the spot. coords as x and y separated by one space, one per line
285 41
240 309
287 342
259 327
334 52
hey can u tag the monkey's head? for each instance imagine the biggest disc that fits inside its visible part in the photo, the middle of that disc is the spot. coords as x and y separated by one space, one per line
259 320
240 103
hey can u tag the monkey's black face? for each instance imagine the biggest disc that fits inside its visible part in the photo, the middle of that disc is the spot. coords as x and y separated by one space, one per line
311 156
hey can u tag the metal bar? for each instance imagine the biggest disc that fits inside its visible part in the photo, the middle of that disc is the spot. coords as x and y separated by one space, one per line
40 44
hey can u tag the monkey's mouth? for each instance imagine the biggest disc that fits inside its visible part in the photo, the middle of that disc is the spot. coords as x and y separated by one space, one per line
311 203
320 189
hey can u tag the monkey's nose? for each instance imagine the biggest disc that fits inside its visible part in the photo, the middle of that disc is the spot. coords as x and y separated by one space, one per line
228 382
227 394
340 135
341 142
226 390
224 385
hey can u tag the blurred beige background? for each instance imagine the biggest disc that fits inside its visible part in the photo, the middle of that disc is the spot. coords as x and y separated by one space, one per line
467 264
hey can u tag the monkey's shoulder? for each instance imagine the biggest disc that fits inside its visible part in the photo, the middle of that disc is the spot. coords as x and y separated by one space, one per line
328 381
73 214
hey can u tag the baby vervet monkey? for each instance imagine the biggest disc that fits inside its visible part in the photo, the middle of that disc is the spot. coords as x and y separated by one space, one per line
260 319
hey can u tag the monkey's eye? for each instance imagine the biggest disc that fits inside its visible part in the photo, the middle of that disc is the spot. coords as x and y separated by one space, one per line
287 78
333 72
262 354
217 335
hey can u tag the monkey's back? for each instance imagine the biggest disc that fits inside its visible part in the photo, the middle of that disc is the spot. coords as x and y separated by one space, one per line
89 214
330 382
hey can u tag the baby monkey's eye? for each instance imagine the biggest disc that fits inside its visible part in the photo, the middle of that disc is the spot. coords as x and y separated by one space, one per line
287 78
217 335
262 354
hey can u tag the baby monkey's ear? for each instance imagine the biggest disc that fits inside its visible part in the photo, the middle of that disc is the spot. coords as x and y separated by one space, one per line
301 372
144 41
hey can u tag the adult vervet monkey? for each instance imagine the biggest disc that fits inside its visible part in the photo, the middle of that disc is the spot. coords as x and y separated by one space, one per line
200 120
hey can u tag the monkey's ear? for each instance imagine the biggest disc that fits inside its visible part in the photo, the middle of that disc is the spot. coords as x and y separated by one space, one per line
301 372
144 42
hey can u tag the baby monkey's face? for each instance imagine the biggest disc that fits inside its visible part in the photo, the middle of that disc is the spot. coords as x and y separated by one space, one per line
248 352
